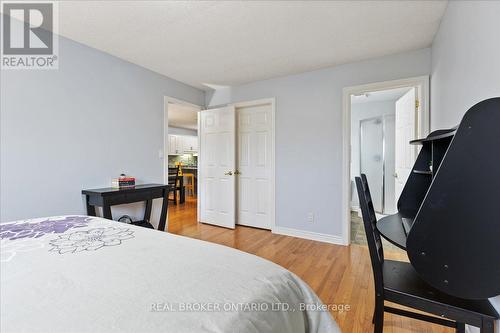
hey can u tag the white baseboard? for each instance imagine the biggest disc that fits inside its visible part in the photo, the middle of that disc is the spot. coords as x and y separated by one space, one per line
315 236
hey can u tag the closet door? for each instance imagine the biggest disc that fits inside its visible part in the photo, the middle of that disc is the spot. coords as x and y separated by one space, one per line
254 167
217 166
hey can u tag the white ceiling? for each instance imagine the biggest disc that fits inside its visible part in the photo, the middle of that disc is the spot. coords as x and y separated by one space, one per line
182 116
379 96
236 42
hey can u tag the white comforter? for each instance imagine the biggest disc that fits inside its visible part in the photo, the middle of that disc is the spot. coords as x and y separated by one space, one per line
81 274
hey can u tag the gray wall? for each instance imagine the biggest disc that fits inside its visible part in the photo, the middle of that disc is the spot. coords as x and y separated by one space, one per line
78 127
465 60
465 65
309 134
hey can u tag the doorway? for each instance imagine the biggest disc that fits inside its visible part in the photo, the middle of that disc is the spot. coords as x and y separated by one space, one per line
382 119
237 165
180 154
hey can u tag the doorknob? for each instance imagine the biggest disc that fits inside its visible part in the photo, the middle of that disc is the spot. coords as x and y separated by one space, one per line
395 175
229 173
237 172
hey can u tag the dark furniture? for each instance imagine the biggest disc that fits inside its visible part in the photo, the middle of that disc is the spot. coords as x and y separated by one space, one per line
176 181
395 228
107 197
448 216
398 282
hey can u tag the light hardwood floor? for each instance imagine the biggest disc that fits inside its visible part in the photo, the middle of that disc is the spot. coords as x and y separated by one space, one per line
338 274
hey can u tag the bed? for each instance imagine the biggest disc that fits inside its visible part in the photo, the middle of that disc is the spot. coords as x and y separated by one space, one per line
88 274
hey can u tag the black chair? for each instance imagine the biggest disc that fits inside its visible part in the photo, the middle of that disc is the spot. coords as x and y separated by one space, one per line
174 180
398 282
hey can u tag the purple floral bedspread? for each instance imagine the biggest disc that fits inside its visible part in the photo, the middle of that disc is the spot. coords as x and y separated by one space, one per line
89 234
28 229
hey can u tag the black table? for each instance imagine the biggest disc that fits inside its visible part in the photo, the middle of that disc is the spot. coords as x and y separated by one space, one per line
107 197
391 228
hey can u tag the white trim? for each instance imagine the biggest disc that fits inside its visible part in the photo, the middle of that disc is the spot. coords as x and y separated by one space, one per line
174 100
264 101
315 236
422 84
198 184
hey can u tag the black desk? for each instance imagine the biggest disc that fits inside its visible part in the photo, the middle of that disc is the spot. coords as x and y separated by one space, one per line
107 197
391 228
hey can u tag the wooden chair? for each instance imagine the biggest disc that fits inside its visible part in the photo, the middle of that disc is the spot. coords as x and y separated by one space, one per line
189 184
174 175
398 282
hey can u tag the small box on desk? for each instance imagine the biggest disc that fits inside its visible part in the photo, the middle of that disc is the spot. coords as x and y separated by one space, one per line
123 182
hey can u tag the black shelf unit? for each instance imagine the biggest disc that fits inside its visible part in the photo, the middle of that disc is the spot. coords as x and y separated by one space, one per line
431 154
448 217
433 149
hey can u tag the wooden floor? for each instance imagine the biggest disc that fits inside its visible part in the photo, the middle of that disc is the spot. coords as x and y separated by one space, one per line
338 274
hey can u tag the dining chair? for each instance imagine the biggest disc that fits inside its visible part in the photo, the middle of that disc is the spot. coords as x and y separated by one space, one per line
189 183
174 175
398 282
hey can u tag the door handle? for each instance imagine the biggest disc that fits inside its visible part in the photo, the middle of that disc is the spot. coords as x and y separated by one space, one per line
229 173
395 175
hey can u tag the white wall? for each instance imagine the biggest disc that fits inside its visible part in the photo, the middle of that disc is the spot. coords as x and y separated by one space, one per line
77 127
309 134
360 111
465 60
465 65
182 131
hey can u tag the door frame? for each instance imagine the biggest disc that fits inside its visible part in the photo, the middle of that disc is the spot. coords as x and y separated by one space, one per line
272 102
422 85
166 101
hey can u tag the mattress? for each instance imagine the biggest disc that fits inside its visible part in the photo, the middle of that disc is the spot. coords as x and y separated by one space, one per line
88 274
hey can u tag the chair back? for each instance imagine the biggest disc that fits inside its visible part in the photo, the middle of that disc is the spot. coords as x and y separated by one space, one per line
173 175
372 234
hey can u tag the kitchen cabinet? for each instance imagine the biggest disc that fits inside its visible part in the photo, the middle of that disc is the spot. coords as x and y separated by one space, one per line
182 144
175 145
190 144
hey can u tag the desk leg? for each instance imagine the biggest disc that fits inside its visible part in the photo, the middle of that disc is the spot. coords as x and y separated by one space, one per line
164 209
106 211
487 326
147 212
90 208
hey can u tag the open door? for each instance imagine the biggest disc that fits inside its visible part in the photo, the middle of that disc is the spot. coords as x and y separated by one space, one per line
217 166
406 125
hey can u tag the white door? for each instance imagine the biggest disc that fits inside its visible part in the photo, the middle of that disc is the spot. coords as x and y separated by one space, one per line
405 154
217 166
254 167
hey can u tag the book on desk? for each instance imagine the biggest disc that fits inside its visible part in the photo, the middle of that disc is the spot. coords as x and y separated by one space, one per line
448 216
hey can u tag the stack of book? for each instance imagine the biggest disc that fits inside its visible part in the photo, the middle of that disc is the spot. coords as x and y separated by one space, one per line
123 182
